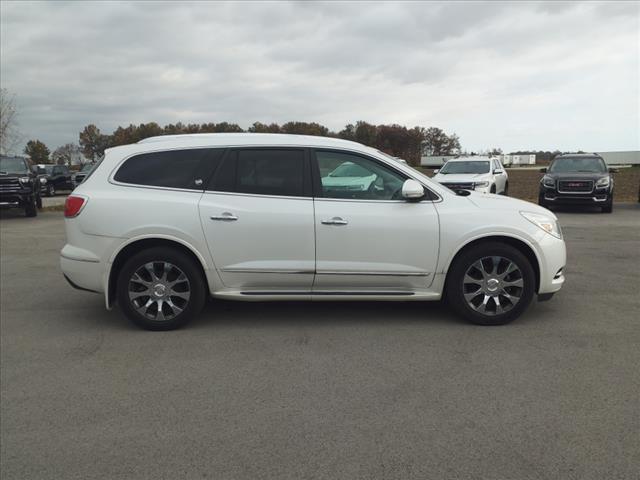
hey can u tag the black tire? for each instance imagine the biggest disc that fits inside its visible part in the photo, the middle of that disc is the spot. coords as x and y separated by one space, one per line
493 189
30 209
196 287
505 192
51 190
39 201
541 201
608 207
455 287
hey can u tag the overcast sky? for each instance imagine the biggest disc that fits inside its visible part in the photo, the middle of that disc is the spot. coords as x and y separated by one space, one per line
513 75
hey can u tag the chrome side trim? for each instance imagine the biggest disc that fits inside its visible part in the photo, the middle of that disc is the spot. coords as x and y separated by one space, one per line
326 292
268 270
373 273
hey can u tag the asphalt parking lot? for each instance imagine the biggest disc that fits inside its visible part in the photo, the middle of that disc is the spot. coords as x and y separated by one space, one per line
323 390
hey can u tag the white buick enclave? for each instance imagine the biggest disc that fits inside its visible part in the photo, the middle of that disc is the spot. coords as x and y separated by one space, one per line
160 225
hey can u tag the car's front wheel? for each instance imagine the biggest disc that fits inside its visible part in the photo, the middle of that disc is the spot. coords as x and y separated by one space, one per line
30 209
490 284
161 289
608 207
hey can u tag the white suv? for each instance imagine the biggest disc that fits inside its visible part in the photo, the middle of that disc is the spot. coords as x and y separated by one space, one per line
482 174
160 225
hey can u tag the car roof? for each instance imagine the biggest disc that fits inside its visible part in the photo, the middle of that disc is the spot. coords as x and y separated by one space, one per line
578 155
239 139
475 158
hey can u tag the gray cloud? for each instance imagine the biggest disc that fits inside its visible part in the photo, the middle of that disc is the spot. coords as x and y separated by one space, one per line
530 75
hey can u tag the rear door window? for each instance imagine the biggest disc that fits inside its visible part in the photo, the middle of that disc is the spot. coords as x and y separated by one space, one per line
185 169
278 172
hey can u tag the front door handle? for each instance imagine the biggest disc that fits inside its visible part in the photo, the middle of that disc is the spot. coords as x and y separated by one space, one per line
225 217
335 221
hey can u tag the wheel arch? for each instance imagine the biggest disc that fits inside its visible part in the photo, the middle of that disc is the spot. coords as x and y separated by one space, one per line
522 246
134 246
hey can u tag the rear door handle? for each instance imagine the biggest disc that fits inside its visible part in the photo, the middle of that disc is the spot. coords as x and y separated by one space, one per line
335 221
225 217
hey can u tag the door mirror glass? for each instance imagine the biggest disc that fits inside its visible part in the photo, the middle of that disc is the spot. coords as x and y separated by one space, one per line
412 190
543 170
436 171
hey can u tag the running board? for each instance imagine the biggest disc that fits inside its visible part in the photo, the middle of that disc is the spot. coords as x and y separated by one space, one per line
397 294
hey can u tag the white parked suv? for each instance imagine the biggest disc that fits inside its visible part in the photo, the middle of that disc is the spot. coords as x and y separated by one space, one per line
482 174
159 226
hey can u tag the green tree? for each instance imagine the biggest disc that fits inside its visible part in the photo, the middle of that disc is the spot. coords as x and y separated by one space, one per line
93 143
437 142
304 128
65 154
258 127
37 151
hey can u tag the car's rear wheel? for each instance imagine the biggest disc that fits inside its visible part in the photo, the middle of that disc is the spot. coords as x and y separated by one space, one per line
490 284
161 289
493 189
506 189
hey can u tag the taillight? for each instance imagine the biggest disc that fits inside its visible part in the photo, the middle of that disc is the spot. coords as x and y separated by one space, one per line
73 205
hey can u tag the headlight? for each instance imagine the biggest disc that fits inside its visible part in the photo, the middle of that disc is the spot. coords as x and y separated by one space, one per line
548 181
25 180
43 180
546 223
481 184
603 182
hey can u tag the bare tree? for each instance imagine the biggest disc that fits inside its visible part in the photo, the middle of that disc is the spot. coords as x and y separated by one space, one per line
9 135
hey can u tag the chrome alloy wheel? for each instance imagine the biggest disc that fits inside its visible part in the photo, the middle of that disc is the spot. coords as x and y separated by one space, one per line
492 285
159 290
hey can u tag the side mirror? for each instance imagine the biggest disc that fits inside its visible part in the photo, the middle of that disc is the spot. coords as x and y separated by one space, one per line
436 171
412 190
613 170
543 170
498 172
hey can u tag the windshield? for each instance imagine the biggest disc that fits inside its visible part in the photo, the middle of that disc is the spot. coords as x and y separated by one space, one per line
465 167
13 165
578 164
350 170
45 169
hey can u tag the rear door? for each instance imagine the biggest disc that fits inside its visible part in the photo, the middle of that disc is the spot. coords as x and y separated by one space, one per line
258 220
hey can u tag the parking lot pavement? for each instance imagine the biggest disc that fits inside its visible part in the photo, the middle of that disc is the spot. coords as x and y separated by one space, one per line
323 390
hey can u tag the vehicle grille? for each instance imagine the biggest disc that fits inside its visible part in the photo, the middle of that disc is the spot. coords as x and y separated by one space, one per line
575 186
460 186
9 185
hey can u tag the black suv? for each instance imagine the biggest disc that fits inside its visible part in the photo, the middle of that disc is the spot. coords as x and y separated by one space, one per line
577 179
54 178
19 186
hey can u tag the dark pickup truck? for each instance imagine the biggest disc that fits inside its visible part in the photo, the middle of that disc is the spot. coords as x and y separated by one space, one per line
19 186
54 178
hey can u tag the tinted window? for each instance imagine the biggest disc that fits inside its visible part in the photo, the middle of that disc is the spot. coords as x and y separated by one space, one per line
264 172
465 167
578 164
343 175
13 165
174 169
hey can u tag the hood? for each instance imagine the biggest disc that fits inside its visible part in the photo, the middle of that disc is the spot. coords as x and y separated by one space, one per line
500 202
577 175
12 176
461 177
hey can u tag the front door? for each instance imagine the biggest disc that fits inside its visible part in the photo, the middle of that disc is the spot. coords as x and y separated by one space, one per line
257 216
367 237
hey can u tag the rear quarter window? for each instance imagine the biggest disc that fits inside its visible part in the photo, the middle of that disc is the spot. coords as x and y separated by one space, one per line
170 169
